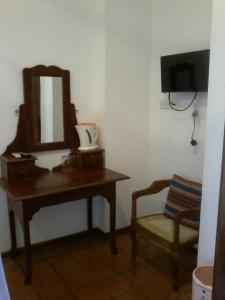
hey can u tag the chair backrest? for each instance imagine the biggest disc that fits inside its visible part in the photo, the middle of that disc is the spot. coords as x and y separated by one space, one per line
184 194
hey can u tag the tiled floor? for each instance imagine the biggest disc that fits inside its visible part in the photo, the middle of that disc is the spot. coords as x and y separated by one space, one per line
85 269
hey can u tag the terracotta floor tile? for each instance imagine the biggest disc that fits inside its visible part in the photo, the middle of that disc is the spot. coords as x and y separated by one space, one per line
184 292
75 247
157 290
11 265
38 259
151 252
139 276
95 292
116 286
43 274
124 242
104 251
189 262
90 256
79 280
84 268
162 267
52 290
123 263
104 272
15 280
132 295
88 252
106 255
56 254
23 295
65 297
65 266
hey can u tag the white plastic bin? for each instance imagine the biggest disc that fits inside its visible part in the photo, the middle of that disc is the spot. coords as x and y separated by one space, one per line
202 283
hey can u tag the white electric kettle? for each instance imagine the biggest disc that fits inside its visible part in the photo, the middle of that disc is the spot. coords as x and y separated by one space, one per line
88 135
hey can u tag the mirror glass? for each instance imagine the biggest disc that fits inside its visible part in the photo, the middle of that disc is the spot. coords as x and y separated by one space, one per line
49 108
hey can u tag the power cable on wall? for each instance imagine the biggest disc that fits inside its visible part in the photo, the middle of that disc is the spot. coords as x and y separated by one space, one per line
194 114
193 141
172 104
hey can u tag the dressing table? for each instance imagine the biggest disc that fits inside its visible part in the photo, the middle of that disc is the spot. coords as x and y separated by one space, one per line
47 122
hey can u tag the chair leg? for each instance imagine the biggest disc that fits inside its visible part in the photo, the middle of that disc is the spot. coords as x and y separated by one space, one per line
175 270
134 242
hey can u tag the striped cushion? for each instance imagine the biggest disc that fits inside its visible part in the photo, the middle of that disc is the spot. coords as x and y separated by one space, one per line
183 194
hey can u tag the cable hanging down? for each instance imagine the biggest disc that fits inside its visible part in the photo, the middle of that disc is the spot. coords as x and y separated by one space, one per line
172 104
194 116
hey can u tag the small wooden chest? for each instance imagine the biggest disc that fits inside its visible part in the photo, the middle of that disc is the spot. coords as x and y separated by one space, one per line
16 168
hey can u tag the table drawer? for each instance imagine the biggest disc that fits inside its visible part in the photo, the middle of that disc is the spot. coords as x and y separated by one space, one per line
93 161
20 170
90 159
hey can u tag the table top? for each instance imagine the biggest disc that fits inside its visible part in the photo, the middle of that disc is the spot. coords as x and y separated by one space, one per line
57 182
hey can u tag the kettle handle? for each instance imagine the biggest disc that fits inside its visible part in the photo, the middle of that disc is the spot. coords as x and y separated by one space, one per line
89 136
96 135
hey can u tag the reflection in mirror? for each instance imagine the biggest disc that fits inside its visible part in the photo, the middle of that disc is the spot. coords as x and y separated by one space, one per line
51 110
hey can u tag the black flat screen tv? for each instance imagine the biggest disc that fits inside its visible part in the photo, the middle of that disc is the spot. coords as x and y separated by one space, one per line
185 72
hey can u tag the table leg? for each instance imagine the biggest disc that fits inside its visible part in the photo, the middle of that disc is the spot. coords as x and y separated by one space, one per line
89 214
28 254
13 234
112 204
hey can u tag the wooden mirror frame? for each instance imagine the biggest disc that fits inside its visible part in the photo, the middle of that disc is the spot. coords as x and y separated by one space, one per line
24 140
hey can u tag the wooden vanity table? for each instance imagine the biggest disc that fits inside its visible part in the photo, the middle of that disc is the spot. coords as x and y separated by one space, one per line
29 187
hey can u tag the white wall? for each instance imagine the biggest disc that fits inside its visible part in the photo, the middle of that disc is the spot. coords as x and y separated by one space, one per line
112 49
109 85
128 25
177 26
69 34
214 137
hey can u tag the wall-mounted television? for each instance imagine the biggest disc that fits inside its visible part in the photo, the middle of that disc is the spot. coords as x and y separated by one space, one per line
185 72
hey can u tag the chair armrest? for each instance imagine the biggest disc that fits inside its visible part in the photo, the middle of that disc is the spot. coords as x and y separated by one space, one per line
155 187
177 221
187 213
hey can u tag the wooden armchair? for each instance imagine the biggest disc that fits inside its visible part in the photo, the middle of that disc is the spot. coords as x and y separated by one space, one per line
167 232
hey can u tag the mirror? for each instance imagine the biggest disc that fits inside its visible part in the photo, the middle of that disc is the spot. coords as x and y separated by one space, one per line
48 103
51 109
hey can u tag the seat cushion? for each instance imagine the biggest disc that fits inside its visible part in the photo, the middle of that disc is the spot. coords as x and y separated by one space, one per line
163 227
184 194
